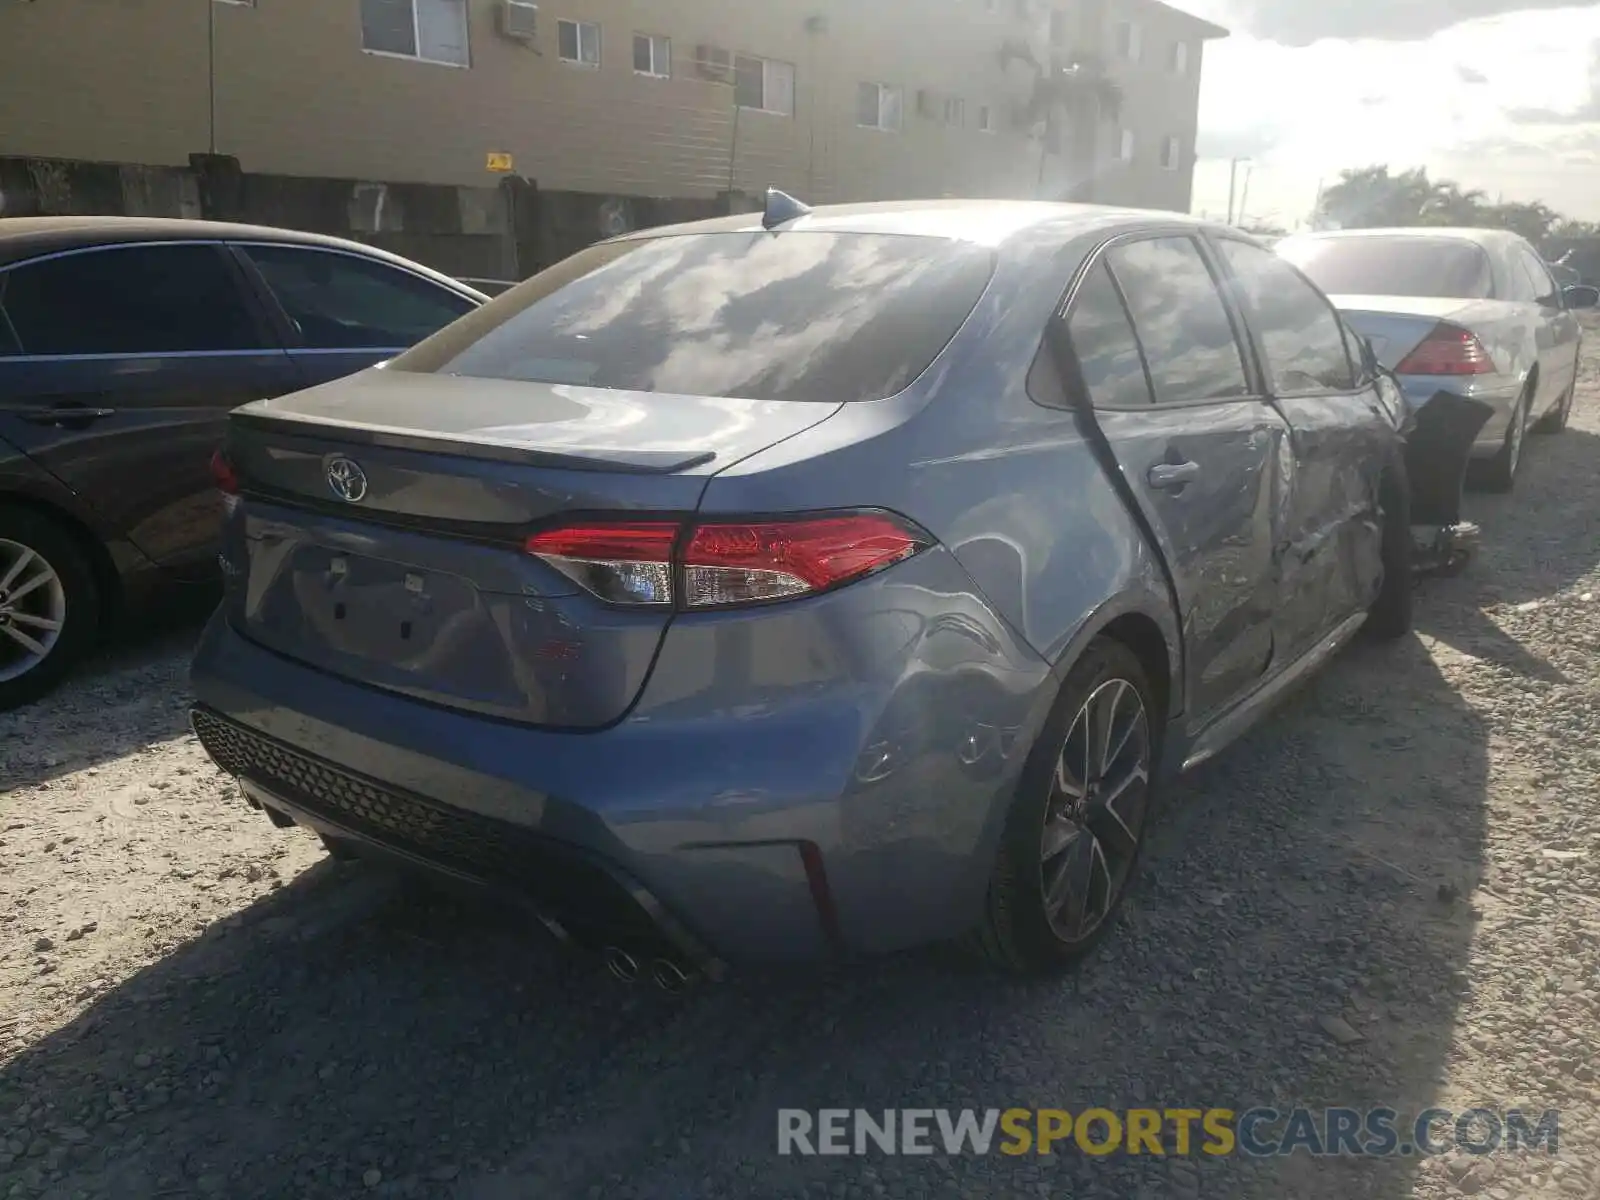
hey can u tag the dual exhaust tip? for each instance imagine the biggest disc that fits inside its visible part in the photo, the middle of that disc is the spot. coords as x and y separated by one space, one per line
668 975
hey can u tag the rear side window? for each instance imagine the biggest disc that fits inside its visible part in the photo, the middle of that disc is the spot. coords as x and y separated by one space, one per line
128 300
795 315
1542 285
344 302
1103 342
1182 324
1393 265
1299 331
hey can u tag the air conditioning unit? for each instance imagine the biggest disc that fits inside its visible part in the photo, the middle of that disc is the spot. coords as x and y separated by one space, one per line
519 20
714 63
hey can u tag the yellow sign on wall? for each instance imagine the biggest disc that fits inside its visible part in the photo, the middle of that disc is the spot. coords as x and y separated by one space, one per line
499 160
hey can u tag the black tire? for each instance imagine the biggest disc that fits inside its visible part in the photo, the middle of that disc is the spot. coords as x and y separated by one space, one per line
80 625
1390 616
1017 932
1555 421
1499 474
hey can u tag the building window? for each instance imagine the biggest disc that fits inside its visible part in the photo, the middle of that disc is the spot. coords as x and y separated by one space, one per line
652 55
1171 153
764 85
1180 58
430 30
1125 147
955 111
1130 40
878 106
985 119
578 42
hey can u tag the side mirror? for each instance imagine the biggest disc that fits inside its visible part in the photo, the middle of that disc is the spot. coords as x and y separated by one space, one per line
1581 295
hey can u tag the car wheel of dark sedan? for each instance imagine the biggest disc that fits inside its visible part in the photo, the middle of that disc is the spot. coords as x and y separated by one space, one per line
1074 833
49 609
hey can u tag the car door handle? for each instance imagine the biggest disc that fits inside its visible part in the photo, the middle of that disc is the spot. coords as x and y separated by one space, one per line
1173 475
61 414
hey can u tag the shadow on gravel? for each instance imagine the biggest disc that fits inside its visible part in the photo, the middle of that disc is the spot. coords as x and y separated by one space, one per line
131 693
1538 542
348 1035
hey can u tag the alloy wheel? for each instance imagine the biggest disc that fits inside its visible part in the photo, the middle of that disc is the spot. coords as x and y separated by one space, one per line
33 609
1519 429
1096 812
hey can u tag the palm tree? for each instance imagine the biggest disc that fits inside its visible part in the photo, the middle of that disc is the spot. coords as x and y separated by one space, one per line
1080 91
1070 97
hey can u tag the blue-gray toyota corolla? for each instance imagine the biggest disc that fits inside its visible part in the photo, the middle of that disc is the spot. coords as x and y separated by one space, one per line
808 583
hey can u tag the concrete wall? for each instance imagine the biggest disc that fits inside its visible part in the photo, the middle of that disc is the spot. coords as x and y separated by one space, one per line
294 93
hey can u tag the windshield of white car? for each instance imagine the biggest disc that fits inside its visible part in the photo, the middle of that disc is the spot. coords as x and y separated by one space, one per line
1391 265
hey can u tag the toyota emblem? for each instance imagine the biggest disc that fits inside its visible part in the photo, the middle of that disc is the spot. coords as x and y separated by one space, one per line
347 480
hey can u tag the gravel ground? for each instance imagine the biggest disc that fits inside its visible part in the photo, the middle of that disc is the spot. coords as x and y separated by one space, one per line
194 1003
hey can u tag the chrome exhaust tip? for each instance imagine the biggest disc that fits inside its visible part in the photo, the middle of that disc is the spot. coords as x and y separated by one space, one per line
622 964
669 976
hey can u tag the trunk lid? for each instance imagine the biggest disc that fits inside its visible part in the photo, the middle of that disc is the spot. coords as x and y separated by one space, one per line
1397 324
381 533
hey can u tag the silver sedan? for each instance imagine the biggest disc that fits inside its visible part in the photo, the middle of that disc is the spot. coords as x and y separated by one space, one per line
1473 311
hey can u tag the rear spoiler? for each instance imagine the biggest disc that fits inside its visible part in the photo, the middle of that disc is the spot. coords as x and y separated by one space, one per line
488 449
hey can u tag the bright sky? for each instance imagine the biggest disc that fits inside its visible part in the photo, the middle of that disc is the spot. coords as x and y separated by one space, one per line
1508 103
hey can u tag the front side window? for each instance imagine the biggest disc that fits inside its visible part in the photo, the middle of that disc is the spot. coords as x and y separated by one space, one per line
429 30
1104 344
1180 58
1125 146
1181 321
764 84
1171 153
578 42
792 316
343 302
1299 331
985 119
652 55
955 111
128 300
878 106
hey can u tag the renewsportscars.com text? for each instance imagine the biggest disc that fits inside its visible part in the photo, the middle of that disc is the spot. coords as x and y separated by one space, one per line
1259 1132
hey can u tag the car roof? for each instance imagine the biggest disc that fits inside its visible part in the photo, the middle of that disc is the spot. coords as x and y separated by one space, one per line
1455 233
981 222
23 238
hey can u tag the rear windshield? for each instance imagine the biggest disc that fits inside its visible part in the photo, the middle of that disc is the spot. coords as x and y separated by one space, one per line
764 316
1434 267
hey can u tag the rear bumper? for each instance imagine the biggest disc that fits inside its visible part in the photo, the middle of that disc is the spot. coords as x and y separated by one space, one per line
1497 390
841 816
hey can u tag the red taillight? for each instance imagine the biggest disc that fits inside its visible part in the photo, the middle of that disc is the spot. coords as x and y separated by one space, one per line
223 474
718 564
1448 350
625 563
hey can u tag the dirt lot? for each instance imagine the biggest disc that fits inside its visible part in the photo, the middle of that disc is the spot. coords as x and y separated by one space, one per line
194 1003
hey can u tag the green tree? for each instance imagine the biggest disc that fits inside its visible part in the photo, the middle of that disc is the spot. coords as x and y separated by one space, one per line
1373 197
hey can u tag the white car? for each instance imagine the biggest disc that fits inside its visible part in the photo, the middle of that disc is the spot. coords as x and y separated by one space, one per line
1473 311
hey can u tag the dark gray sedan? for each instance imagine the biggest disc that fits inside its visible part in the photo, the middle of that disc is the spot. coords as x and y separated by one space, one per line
827 582
123 344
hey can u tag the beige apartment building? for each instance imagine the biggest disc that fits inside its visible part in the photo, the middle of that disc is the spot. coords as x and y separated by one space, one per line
829 99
